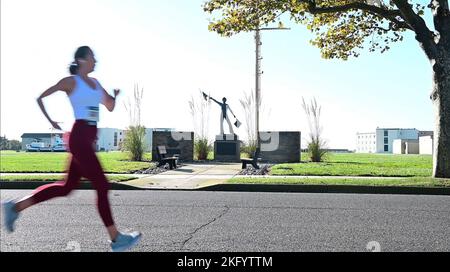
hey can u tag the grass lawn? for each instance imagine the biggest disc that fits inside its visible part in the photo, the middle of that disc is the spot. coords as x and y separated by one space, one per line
49 162
117 178
339 164
415 182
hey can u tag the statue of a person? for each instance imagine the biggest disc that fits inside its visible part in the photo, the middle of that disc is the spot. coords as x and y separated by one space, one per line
223 113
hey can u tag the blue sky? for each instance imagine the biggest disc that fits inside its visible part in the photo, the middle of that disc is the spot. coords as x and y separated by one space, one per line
165 46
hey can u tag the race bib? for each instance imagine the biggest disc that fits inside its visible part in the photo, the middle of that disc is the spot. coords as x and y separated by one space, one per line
93 113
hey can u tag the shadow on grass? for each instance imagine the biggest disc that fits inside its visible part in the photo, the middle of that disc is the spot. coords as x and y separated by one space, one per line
356 163
285 168
333 162
345 175
183 170
128 160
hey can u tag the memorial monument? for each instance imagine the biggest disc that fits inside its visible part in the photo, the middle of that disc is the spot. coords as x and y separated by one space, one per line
226 146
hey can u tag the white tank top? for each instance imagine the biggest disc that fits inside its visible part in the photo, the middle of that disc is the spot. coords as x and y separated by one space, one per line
85 100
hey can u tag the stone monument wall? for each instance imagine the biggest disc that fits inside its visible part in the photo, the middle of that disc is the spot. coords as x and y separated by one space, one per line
176 142
280 146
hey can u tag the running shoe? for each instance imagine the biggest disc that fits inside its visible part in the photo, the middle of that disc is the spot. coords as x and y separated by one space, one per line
125 241
10 214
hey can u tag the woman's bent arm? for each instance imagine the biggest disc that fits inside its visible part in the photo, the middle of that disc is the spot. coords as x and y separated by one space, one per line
65 85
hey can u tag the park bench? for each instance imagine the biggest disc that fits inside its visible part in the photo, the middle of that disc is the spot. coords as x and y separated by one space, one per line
253 161
163 159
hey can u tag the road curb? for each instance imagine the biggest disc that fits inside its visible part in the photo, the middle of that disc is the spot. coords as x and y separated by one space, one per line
272 188
84 185
334 189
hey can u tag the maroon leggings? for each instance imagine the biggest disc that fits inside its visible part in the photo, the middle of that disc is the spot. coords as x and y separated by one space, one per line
83 163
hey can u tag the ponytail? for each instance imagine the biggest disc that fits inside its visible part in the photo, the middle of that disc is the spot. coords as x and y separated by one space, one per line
81 53
73 68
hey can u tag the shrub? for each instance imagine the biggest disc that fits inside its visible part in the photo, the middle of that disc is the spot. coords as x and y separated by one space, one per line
135 136
316 144
199 109
249 147
202 148
134 142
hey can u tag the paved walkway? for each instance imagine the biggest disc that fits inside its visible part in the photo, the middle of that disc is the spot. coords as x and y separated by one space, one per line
194 176
59 174
213 176
189 176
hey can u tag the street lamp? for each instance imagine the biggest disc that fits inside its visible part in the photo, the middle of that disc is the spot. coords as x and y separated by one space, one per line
258 72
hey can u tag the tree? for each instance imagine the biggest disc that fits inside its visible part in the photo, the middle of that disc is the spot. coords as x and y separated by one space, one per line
15 145
6 144
3 143
343 27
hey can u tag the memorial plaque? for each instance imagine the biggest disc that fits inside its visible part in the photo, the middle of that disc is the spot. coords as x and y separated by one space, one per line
227 151
225 148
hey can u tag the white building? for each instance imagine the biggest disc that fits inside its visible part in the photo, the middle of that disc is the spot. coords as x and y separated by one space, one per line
426 145
366 142
382 140
386 136
112 139
109 139
401 146
43 142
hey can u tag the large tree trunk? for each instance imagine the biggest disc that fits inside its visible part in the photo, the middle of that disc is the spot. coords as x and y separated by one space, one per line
441 101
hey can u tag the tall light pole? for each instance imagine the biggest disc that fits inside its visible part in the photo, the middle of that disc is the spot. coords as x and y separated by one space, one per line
257 82
258 73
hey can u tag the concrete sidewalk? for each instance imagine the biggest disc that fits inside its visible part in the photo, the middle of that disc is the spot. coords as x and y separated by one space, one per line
195 176
62 174
189 176
213 177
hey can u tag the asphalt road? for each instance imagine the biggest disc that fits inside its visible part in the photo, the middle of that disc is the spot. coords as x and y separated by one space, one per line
237 221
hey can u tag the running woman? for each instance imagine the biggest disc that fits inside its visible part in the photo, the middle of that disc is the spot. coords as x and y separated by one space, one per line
85 94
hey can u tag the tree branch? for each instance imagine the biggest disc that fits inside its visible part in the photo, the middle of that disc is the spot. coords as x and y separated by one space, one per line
390 15
355 5
382 28
423 34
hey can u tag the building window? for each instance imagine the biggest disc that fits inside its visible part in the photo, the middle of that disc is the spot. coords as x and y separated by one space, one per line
385 133
385 140
115 138
386 148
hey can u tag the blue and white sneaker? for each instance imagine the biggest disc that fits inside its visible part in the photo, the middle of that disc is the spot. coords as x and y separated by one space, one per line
10 214
125 241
